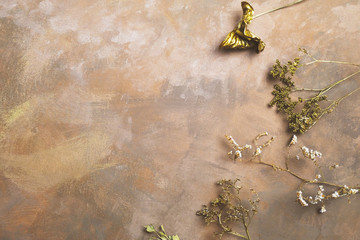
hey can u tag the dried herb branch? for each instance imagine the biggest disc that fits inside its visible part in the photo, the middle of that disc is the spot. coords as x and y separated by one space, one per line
161 234
229 210
335 190
303 113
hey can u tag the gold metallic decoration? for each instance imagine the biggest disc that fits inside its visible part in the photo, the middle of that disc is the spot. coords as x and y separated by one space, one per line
241 37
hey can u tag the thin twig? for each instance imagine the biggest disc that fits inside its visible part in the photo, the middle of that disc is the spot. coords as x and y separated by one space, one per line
337 83
329 61
306 89
275 9
297 176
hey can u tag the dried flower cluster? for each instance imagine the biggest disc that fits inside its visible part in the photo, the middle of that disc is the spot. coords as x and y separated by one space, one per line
310 153
334 190
237 148
159 234
302 113
237 154
229 211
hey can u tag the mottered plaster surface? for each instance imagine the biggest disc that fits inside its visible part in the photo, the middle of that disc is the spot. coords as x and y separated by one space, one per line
113 115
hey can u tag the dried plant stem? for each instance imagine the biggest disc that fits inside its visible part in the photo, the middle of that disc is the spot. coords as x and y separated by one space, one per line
230 232
328 61
298 176
324 90
337 83
306 89
236 233
333 105
247 232
275 9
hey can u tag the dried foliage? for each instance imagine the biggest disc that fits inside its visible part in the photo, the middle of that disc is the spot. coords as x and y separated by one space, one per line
229 211
159 234
303 113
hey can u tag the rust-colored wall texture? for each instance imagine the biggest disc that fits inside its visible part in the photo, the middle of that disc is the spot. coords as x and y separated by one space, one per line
113 115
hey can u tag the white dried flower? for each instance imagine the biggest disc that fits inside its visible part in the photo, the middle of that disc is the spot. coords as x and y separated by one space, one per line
311 200
238 154
247 146
233 142
353 191
257 152
310 153
323 209
320 195
318 154
318 176
293 140
300 199
335 194
305 151
303 202
297 157
346 187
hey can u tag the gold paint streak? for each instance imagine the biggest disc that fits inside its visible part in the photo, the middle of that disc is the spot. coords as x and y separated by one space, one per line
43 169
17 112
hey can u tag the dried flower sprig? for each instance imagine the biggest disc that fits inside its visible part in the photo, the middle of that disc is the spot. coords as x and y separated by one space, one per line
159 234
321 197
237 155
228 210
310 111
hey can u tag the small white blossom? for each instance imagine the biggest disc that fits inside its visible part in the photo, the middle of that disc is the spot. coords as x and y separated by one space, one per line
293 140
320 195
318 154
297 157
335 194
257 152
232 141
247 146
311 200
301 200
346 187
310 153
322 210
353 191
238 154
318 176
305 151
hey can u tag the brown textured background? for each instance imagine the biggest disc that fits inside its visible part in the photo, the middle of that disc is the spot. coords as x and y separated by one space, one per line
113 115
